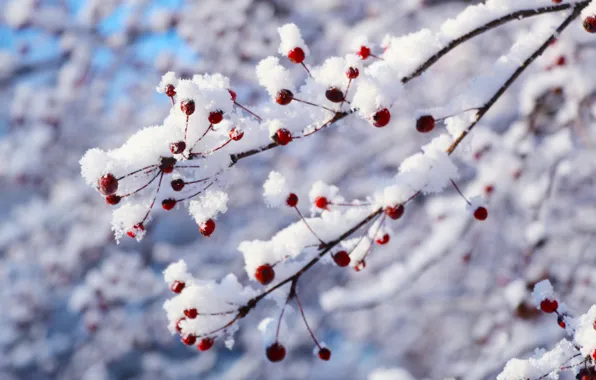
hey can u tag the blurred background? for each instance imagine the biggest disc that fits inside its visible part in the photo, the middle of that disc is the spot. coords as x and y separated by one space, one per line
78 74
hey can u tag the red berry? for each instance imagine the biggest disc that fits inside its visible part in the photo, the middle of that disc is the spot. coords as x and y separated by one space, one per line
189 339
178 327
557 1
590 24
425 124
205 344
292 200
216 117
395 212
594 354
207 227
334 94
113 199
276 352
166 164
594 325
188 107
549 306
232 94
383 239
284 97
360 266
177 184
282 137
168 204
191 313
236 134
324 354
364 52
177 147
322 203
177 287
381 118
170 90
265 274
561 61
489 189
481 213
342 259
561 321
107 184
352 73
296 55
135 230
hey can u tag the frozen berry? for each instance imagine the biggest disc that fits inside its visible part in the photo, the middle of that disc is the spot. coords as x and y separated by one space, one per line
135 230
177 184
296 55
178 327
265 274
549 306
216 117
425 124
170 90
232 94
561 61
342 259
188 107
168 204
322 203
207 228
364 52
292 200
166 164
236 134
561 321
177 286
383 239
189 339
113 199
352 73
177 147
205 344
324 354
276 352
395 212
590 24
191 313
282 137
107 184
284 97
481 213
360 266
334 94
381 118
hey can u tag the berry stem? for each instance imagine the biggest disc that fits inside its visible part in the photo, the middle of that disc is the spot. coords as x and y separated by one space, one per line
375 236
307 70
197 193
314 104
154 198
460 193
307 225
142 187
283 309
200 138
331 121
197 181
361 238
136 171
249 111
305 321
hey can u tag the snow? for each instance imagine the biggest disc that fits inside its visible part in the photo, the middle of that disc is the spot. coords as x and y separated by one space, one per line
275 190
291 38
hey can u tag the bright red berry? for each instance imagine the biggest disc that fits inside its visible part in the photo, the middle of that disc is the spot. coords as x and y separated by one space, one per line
292 200
191 313
590 24
166 164
113 199
178 327
284 97
177 287
107 184
177 184
265 274
481 213
342 259
188 107
322 203
189 339
232 94
335 95
364 52
216 117
360 266
177 147
383 239
381 118
276 352
352 73
236 134
395 212
207 227
296 55
135 230
425 124
324 354
168 204
549 306
282 137
170 90
561 321
205 344
594 354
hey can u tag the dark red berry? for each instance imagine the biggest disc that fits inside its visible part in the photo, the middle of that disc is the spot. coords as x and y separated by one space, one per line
296 55
178 327
324 354
232 94
594 354
342 259
292 200
360 266
113 199
282 137
107 184
284 97
177 184
561 61
590 24
557 1
265 274
561 321
168 204
364 52
236 134
425 124
177 147
395 212
488 189
383 239
205 344
188 107
191 313
481 213
170 90
216 117
189 339
549 306
135 230
352 73
322 203
166 164
381 118
276 352
177 287
207 227
334 94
